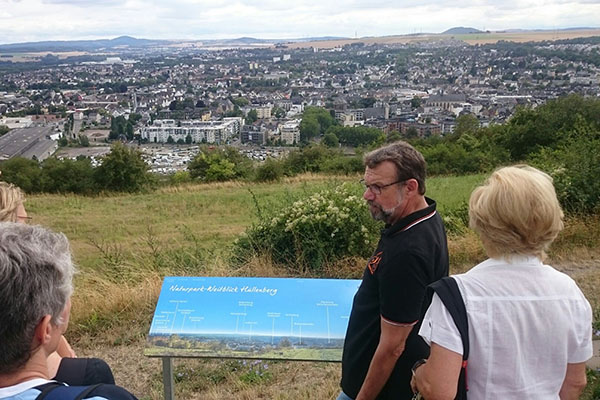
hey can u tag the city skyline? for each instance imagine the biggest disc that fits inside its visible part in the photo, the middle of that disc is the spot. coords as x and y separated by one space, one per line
39 20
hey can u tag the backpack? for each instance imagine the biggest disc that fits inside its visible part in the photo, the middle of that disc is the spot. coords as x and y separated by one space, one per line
58 391
447 290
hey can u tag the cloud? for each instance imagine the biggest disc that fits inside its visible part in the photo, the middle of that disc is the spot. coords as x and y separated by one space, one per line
30 20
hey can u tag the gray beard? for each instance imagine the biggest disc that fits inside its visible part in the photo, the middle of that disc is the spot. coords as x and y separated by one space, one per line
382 214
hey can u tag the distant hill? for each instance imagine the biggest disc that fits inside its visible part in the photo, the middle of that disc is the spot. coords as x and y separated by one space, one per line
80 45
460 30
134 43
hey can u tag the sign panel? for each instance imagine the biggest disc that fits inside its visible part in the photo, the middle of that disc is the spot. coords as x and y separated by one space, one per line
264 318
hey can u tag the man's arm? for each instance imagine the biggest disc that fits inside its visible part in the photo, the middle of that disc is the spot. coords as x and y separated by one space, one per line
391 345
574 383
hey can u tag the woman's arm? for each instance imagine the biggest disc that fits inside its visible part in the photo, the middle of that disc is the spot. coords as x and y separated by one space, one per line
574 383
64 348
438 378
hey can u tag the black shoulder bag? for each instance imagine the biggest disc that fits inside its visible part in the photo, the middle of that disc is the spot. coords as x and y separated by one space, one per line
447 290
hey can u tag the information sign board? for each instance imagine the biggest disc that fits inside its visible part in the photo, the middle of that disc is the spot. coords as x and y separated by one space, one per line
264 318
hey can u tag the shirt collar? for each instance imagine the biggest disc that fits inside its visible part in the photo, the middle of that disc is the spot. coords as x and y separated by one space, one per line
11 391
411 220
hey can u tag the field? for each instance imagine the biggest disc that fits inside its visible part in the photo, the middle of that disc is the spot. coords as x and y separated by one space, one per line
479 38
125 244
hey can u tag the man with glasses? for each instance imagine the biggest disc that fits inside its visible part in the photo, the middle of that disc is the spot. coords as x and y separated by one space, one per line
382 341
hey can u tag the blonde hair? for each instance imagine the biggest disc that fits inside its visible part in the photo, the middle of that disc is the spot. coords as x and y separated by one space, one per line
10 199
516 212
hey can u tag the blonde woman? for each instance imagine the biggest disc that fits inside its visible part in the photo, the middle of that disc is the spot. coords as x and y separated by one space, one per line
529 324
11 204
62 363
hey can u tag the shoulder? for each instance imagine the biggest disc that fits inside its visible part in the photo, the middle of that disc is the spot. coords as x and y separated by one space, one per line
110 392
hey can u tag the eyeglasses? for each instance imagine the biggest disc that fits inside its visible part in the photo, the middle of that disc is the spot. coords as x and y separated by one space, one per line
377 189
26 218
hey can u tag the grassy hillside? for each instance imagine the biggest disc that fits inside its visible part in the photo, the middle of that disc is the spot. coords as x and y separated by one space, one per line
125 244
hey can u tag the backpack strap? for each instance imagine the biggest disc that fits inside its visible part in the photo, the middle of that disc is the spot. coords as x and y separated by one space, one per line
448 291
58 391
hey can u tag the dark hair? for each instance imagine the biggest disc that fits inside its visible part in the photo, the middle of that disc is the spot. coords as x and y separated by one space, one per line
409 162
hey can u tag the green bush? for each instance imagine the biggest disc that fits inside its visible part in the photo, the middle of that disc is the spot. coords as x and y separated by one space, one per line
456 220
269 171
310 232
575 168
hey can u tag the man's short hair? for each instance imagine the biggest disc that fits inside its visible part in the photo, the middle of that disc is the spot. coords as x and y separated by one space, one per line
10 198
36 273
409 162
516 211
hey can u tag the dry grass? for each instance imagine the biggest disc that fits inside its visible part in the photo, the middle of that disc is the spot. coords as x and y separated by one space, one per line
126 244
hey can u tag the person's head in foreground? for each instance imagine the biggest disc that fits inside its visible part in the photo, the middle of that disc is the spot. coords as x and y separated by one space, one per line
36 274
394 181
11 204
516 212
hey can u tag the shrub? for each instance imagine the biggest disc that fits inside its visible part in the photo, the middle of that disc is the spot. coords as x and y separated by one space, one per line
123 170
456 220
575 168
325 227
269 171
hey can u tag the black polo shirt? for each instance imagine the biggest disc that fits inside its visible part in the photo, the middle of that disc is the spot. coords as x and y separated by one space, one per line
410 255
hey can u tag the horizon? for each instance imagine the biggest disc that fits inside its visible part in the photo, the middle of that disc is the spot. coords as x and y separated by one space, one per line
23 21
325 37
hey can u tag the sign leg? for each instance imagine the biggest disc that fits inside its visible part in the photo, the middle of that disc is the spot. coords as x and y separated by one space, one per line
168 378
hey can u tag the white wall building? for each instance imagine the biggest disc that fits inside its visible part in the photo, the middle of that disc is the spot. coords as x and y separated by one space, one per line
290 132
200 131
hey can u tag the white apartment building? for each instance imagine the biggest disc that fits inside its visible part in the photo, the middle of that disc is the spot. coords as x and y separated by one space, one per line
290 132
200 131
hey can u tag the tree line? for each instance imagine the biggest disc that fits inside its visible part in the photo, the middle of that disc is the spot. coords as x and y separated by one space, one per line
562 137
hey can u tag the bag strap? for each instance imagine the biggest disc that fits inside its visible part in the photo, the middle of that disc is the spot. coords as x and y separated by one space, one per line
58 391
447 290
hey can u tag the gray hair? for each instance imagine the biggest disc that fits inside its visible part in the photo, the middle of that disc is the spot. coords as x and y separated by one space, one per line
36 274
409 162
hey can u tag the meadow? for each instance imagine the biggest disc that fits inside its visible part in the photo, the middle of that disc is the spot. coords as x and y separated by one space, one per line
124 244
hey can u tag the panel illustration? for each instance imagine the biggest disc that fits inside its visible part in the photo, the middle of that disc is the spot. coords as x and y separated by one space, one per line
265 318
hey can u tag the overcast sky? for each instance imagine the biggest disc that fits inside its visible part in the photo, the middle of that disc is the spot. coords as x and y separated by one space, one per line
36 20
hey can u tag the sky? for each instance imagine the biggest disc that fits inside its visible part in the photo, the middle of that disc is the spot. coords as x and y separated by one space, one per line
38 20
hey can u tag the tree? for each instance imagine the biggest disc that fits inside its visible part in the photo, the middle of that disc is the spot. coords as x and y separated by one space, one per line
4 129
67 176
412 132
84 141
240 101
331 140
315 121
252 116
309 128
188 139
170 140
123 170
23 173
466 124
220 164
415 102
278 112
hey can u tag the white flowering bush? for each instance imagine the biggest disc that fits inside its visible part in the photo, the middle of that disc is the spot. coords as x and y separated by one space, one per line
310 232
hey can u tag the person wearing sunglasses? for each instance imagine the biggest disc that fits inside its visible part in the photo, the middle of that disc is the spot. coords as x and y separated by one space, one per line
382 343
